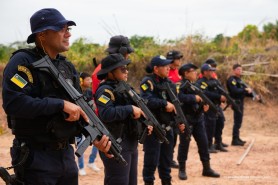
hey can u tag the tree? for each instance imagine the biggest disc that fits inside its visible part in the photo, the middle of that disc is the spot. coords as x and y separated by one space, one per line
271 30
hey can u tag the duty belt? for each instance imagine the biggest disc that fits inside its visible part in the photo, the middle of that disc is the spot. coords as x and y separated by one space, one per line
51 146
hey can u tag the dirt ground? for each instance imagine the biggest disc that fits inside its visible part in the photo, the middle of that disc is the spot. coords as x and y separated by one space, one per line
260 166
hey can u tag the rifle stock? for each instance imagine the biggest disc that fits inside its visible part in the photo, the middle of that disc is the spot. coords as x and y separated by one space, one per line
95 129
150 119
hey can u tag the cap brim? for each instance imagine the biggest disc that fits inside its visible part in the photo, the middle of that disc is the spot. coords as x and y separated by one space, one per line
31 38
112 50
102 73
166 62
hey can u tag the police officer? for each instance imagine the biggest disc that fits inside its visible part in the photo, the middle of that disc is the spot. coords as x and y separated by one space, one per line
207 84
117 44
119 115
193 110
35 106
238 92
174 76
158 154
219 145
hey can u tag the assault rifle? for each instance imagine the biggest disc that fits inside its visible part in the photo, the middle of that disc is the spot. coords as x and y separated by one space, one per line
230 100
7 178
254 94
95 129
199 92
179 116
150 119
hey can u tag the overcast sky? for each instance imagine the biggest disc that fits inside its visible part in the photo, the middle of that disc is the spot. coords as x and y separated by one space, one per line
97 20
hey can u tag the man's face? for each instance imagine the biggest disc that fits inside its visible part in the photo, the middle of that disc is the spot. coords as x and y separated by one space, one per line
87 82
57 41
238 71
208 74
162 71
191 75
176 64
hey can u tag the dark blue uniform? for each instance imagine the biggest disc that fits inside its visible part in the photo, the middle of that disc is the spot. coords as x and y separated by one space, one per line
33 102
237 92
210 90
157 154
193 112
115 110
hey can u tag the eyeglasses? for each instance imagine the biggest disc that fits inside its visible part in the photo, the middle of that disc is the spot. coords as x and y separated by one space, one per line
66 29
123 69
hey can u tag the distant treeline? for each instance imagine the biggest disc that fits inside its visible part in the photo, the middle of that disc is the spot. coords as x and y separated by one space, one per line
248 46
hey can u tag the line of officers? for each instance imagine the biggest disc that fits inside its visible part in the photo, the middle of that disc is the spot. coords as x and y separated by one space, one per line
120 114
45 120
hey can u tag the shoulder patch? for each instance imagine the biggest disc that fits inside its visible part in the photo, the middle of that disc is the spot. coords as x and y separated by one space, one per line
178 84
147 85
205 84
110 93
234 82
144 86
103 99
150 83
27 72
203 87
19 81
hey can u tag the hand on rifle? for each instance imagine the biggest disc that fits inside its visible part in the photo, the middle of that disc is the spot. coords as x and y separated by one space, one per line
206 107
181 127
170 107
150 129
74 112
223 98
198 98
249 90
103 145
137 112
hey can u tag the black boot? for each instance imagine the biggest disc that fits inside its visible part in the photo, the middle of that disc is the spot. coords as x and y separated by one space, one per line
211 149
219 146
166 182
149 183
224 144
237 142
207 171
174 164
241 140
182 171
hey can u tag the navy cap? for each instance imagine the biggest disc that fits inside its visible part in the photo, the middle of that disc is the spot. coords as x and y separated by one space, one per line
118 41
211 61
47 19
172 55
207 67
111 62
160 60
186 67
